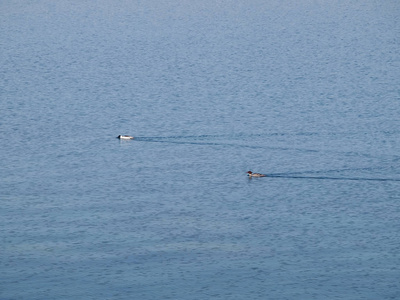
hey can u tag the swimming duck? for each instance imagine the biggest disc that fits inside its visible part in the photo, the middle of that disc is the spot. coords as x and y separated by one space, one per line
125 137
251 174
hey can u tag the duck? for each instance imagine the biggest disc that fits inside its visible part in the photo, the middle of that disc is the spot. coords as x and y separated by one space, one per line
251 174
125 137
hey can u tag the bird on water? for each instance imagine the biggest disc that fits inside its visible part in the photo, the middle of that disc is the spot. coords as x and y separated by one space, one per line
125 137
251 174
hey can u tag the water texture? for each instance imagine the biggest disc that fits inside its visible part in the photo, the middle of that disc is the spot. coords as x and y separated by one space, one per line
307 92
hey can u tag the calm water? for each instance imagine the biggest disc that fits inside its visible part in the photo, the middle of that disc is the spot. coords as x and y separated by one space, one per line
307 92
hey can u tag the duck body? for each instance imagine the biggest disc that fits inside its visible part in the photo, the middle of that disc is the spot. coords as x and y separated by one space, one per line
251 174
125 137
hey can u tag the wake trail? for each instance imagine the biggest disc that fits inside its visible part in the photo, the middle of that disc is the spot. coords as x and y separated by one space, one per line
332 178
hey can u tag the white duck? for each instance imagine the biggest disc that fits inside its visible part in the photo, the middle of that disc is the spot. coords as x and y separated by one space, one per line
125 137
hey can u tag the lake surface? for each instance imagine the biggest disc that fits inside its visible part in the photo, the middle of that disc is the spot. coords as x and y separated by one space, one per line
307 92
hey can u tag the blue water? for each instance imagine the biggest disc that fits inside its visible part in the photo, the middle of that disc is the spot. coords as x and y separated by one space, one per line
307 92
